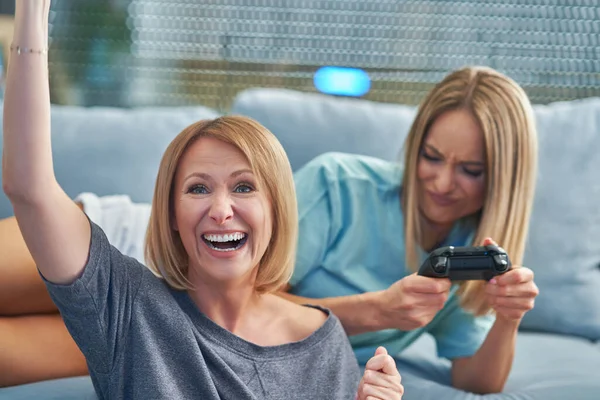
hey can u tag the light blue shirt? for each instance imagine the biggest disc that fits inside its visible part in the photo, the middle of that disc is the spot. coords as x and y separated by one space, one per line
351 241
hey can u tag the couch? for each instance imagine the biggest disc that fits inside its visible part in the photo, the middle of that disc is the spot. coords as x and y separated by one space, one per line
110 151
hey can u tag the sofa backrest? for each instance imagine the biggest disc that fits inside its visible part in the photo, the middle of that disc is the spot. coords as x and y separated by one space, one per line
564 242
309 124
112 151
564 239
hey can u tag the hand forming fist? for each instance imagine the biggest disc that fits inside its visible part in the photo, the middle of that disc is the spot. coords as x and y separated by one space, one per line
381 380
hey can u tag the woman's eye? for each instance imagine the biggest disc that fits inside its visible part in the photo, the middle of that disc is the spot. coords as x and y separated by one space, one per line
243 188
429 157
197 189
473 173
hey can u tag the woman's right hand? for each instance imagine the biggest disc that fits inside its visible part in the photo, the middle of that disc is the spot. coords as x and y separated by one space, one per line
381 380
412 302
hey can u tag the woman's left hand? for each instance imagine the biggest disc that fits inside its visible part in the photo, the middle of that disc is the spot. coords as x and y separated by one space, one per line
381 380
513 293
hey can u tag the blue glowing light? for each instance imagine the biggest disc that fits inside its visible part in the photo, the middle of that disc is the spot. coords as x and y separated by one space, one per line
342 81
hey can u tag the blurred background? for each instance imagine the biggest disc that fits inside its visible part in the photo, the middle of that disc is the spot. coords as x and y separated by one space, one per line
130 53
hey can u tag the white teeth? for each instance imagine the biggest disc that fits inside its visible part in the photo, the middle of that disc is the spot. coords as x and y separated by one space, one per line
225 238
223 250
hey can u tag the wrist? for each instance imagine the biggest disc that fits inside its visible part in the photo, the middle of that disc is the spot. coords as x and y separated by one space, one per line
29 33
377 303
507 324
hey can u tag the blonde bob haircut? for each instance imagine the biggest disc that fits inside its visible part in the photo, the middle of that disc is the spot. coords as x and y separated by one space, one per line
505 117
164 251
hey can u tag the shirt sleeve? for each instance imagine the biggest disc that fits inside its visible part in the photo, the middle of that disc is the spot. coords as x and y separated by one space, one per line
457 332
318 217
97 307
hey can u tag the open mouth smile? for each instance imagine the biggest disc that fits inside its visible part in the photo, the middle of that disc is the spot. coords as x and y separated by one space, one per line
226 242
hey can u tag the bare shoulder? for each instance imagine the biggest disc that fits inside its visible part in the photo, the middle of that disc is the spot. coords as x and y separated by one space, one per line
300 321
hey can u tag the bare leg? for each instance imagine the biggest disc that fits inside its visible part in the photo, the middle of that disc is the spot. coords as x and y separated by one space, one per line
35 348
34 342
22 290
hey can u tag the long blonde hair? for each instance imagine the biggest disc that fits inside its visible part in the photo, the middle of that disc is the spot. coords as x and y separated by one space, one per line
164 251
505 117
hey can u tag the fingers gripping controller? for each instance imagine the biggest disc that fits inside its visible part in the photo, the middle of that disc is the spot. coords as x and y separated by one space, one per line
466 263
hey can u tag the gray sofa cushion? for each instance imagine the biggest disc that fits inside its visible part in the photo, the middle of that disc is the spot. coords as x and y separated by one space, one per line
546 367
110 150
564 244
310 124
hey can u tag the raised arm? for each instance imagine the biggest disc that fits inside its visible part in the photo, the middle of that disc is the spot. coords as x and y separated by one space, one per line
55 230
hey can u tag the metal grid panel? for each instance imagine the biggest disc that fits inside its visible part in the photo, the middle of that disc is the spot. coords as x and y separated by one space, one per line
205 51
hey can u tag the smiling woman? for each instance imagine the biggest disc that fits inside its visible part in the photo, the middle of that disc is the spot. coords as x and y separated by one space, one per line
224 187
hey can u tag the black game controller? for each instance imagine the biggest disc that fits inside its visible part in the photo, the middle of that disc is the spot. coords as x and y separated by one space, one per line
466 263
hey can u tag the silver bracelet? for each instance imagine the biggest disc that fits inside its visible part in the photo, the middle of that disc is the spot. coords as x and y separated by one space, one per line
21 49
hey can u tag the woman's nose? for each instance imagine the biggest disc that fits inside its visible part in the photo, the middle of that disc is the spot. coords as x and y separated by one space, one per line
444 181
221 209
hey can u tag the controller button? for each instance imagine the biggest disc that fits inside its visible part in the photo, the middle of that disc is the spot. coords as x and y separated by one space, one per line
439 264
501 261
